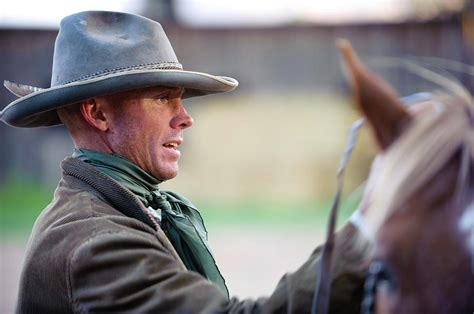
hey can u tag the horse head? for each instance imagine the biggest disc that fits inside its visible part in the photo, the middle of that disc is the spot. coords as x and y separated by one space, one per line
418 207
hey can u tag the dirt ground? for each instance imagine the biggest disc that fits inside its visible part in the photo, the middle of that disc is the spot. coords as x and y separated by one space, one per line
251 259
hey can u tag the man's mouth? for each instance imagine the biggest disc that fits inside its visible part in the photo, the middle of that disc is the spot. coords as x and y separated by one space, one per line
173 144
170 145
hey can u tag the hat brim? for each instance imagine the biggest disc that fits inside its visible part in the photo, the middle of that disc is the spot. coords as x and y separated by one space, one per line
38 109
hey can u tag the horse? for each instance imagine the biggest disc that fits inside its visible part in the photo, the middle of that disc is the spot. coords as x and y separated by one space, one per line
418 206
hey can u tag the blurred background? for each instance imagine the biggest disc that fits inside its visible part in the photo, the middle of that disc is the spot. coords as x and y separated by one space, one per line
259 162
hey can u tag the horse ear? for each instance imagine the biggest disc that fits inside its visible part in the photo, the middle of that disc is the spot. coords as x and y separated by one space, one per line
376 100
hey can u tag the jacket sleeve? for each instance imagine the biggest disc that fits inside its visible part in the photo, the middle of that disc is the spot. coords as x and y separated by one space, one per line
128 271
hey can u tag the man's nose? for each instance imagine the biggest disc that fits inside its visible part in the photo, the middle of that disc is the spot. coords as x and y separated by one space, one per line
182 119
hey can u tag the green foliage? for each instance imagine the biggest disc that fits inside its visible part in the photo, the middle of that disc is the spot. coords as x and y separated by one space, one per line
269 213
21 201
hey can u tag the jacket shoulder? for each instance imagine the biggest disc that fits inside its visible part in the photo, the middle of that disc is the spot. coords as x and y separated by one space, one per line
75 215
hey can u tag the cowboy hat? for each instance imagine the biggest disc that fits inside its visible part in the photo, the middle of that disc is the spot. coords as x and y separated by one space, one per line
98 53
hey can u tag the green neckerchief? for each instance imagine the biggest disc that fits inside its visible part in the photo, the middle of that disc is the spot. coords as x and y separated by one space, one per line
180 220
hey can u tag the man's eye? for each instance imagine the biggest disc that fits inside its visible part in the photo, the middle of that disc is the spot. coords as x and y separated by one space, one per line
163 99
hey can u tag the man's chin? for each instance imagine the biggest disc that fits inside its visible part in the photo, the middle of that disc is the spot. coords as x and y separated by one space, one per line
166 175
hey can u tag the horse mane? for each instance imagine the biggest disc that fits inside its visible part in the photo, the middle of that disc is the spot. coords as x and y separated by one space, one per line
416 156
422 67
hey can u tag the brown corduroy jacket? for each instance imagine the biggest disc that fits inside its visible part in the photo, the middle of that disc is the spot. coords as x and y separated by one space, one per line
94 249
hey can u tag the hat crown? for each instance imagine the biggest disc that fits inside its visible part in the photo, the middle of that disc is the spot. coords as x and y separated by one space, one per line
97 43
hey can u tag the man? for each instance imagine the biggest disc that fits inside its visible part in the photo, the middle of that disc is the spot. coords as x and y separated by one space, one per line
110 240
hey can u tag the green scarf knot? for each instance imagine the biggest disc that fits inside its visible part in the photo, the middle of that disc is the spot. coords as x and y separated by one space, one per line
180 220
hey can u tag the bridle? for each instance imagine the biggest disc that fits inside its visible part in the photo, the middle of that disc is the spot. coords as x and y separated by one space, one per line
376 275
322 291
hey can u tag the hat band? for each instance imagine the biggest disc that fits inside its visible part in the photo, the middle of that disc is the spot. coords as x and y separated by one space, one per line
149 66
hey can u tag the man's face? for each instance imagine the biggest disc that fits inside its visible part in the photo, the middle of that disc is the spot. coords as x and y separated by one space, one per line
146 127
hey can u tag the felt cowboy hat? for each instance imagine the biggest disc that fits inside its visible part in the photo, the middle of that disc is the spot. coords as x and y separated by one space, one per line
98 53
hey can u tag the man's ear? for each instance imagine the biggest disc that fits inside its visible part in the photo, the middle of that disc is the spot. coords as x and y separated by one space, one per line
93 113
